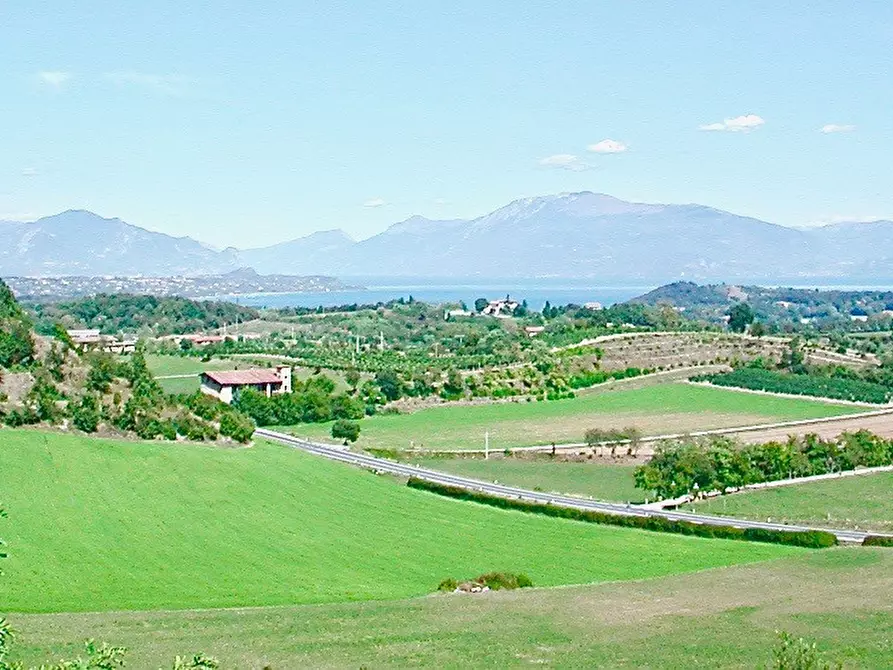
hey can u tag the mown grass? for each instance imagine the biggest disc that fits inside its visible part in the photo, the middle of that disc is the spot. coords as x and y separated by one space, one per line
724 618
865 501
658 409
112 525
598 478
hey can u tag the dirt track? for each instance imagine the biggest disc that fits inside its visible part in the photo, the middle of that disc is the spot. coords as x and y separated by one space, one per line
881 425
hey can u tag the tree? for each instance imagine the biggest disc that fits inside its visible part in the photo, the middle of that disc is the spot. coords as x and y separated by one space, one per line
349 431
757 329
390 384
352 377
237 426
480 303
740 316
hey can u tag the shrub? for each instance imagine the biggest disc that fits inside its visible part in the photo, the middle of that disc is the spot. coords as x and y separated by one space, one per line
85 414
448 585
810 539
878 541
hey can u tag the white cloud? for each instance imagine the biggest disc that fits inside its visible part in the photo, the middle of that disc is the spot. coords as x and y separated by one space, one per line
29 172
743 123
164 84
53 78
837 128
564 162
608 147
440 202
375 202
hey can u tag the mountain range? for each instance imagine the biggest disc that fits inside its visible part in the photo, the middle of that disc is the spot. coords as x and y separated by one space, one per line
569 235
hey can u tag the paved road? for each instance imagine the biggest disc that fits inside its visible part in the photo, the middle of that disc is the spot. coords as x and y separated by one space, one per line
382 465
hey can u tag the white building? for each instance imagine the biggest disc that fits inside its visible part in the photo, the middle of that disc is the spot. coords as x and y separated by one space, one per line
225 385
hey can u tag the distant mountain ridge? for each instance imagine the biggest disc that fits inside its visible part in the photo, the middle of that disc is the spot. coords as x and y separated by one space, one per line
568 235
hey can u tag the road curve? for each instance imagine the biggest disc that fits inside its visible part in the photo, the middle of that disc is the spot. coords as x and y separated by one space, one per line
403 470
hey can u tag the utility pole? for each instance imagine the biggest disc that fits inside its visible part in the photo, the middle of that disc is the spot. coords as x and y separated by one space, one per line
486 445
381 340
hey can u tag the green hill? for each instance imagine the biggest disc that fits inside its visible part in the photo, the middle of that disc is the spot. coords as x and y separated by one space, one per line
111 525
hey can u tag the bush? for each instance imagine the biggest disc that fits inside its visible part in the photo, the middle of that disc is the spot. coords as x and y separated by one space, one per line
85 414
237 426
878 541
810 539
448 585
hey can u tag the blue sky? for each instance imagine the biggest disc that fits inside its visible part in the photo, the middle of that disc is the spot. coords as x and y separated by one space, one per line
247 123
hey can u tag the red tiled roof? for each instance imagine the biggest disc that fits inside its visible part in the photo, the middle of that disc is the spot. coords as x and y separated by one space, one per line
243 377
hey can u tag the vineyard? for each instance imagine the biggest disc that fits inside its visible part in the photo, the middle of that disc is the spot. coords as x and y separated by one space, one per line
798 384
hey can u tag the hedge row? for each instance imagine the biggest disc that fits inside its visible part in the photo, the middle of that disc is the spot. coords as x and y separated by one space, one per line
813 538
877 541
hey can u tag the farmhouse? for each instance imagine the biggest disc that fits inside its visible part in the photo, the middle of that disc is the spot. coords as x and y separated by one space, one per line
225 385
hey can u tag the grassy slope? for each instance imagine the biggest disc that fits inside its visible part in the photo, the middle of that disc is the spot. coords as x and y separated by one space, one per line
723 618
865 502
655 409
98 525
596 478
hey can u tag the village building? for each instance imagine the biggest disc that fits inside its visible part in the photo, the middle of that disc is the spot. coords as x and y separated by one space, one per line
502 308
533 331
225 385
91 339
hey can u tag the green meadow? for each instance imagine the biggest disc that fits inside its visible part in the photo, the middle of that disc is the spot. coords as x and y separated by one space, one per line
721 618
655 410
598 478
99 525
865 501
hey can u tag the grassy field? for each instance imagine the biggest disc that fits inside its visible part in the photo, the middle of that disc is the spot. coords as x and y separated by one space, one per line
659 409
596 478
724 618
864 502
111 525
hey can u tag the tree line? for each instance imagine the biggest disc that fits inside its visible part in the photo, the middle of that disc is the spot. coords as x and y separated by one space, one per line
715 463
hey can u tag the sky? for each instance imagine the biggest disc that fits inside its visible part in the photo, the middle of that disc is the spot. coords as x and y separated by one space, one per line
248 123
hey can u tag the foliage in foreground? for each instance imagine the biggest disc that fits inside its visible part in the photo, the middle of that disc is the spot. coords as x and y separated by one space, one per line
795 653
812 539
878 541
714 463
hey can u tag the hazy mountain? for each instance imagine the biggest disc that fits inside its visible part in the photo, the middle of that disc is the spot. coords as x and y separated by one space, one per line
567 235
580 235
81 243
303 256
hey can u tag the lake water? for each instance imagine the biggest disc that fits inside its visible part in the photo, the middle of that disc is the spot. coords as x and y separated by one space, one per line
536 294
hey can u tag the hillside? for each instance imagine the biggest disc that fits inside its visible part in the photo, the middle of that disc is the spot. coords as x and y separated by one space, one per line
569 235
114 314
773 304
175 526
